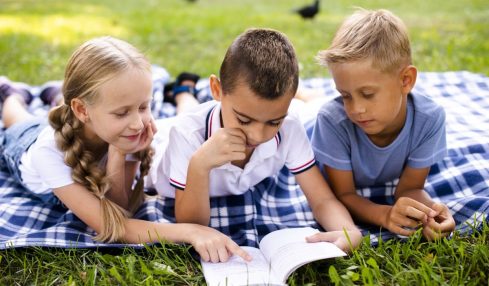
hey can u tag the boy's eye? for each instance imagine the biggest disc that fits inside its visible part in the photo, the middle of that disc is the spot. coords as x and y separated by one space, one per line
367 95
274 123
345 96
242 122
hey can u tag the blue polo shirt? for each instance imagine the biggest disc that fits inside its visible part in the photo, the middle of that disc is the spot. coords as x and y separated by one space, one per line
340 144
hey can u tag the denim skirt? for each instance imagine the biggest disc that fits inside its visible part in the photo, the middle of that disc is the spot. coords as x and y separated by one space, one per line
15 141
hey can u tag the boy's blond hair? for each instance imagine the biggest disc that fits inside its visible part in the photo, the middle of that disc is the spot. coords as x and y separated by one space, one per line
377 35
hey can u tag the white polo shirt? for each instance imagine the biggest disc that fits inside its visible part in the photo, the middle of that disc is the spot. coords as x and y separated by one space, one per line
178 138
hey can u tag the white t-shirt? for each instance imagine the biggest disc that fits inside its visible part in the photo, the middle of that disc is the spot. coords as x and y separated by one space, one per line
43 168
177 140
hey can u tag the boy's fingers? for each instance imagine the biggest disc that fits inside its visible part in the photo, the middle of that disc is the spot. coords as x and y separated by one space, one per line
414 205
446 224
236 133
204 254
416 214
402 231
410 222
238 147
214 255
322 236
223 254
236 250
328 236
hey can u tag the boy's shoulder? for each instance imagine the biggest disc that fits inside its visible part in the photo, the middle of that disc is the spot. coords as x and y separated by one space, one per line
426 107
290 125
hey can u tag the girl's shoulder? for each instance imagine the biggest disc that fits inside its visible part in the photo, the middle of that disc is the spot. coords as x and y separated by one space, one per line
45 142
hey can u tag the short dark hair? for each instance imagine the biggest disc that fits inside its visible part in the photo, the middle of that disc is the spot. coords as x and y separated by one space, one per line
265 60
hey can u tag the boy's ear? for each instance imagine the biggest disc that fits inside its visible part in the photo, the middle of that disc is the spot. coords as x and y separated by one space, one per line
215 85
408 78
79 108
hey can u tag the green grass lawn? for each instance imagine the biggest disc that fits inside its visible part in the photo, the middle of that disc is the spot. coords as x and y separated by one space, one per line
37 38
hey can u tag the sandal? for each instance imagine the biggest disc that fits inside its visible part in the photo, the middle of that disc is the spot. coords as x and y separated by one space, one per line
51 94
8 88
172 89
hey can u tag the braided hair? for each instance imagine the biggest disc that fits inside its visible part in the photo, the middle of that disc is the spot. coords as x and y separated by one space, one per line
91 65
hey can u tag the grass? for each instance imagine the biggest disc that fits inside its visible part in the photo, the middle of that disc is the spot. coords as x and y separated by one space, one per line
37 38
462 260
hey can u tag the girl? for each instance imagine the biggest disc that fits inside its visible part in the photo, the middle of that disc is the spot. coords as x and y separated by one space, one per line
89 154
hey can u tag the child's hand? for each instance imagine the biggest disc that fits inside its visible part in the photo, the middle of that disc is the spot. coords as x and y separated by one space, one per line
147 135
439 226
214 246
406 215
223 146
339 238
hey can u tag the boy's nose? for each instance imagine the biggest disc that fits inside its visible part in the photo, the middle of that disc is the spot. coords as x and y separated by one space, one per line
256 135
358 108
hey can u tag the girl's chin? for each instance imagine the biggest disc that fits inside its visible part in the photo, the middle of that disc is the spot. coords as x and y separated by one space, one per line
128 149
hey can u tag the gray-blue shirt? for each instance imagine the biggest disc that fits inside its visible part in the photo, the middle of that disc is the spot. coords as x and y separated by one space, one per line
340 144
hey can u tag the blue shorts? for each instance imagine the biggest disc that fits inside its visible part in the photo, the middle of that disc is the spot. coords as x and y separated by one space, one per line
15 141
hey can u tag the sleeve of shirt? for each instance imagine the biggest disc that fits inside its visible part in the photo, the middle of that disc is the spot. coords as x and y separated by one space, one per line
300 156
331 144
49 164
432 145
178 154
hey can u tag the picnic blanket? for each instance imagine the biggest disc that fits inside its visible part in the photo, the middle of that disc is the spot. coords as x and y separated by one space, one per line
461 180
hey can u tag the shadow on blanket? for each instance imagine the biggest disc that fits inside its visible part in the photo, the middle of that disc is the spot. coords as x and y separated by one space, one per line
461 180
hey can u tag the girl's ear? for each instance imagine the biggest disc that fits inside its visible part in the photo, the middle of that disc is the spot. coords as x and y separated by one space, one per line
79 108
408 78
215 85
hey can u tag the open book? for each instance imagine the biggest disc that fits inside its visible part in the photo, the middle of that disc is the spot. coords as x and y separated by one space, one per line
281 252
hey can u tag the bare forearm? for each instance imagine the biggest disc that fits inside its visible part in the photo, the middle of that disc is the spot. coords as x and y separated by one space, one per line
192 205
333 208
116 173
365 210
141 231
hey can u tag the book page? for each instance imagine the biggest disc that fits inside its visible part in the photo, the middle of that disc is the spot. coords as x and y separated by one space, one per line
237 271
287 250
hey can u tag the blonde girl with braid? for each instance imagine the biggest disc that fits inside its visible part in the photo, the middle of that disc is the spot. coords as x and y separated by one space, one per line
96 142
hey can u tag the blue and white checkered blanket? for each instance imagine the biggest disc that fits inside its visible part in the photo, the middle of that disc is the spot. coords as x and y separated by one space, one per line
461 180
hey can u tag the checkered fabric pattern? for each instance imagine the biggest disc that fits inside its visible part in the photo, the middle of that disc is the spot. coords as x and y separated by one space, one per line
461 180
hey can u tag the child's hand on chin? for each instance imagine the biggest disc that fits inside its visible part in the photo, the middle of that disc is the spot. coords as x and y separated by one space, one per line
147 136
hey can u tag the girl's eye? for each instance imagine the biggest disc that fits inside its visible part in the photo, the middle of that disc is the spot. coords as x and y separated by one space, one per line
368 95
243 122
346 96
143 108
274 124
